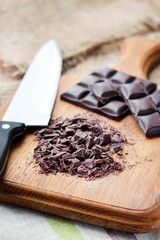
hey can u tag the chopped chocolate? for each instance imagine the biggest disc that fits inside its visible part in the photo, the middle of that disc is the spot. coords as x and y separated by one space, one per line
96 161
89 142
89 163
117 147
75 163
70 131
105 138
96 150
79 146
80 153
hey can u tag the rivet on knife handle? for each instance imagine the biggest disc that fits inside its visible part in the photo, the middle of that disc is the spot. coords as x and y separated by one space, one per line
8 131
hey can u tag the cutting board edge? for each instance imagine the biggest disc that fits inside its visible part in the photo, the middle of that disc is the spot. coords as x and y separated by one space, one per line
139 221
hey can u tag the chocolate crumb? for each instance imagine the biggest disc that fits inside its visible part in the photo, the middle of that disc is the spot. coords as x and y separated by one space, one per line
79 146
117 147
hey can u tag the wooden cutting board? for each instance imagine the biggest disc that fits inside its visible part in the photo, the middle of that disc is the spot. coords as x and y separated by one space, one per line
129 201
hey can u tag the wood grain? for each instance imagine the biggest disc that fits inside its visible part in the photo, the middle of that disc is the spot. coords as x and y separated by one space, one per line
128 201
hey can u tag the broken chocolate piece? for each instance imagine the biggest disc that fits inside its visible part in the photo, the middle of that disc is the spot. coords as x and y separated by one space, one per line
117 147
99 92
150 124
144 108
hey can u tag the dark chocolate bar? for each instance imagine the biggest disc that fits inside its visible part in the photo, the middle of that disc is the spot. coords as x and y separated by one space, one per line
144 107
99 92
82 96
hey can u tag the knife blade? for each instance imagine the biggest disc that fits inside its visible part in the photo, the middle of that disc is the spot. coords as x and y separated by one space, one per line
34 99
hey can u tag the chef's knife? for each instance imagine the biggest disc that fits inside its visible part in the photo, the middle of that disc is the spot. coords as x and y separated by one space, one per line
33 101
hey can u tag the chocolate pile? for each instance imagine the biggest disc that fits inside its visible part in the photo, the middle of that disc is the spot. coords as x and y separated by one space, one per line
80 146
114 94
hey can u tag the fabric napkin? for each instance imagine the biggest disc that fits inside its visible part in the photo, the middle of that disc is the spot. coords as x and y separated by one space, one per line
17 223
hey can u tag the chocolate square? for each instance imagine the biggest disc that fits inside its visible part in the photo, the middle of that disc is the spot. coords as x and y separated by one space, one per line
133 90
142 106
104 91
150 124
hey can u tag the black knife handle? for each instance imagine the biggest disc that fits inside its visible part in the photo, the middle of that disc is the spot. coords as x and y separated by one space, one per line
8 131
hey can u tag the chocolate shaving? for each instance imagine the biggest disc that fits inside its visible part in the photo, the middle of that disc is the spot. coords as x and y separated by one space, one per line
79 146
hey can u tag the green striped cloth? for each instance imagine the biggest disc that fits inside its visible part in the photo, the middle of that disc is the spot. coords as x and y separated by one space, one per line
22 224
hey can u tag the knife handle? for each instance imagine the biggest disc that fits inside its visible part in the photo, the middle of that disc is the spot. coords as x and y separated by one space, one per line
8 131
